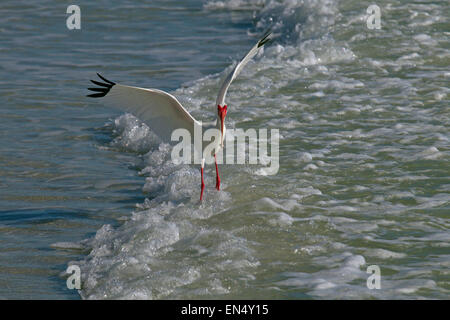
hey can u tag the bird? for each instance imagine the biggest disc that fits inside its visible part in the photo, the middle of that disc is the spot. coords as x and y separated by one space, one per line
163 113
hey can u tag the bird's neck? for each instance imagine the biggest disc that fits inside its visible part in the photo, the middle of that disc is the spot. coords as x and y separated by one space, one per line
218 124
219 127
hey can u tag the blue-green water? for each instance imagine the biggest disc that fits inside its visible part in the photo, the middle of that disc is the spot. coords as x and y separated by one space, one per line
364 152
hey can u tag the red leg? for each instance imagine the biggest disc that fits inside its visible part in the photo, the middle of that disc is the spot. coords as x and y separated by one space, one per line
203 182
217 175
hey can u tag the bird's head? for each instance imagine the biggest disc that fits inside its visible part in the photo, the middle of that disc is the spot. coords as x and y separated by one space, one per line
221 113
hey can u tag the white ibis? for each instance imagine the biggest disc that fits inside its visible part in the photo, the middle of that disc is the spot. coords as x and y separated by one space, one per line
163 113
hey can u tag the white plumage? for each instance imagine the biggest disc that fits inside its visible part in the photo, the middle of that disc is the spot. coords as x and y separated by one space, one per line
161 111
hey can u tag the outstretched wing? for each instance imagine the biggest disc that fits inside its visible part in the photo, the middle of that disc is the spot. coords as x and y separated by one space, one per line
233 74
161 111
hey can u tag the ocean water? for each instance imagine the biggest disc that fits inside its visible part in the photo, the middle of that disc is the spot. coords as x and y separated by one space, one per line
364 175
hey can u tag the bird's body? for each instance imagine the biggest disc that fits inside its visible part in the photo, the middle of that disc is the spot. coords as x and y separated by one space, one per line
163 113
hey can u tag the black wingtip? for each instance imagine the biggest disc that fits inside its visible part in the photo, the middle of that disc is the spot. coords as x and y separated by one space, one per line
96 95
103 88
264 39
104 79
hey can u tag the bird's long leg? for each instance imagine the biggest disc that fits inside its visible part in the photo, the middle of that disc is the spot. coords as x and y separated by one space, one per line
203 182
217 174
